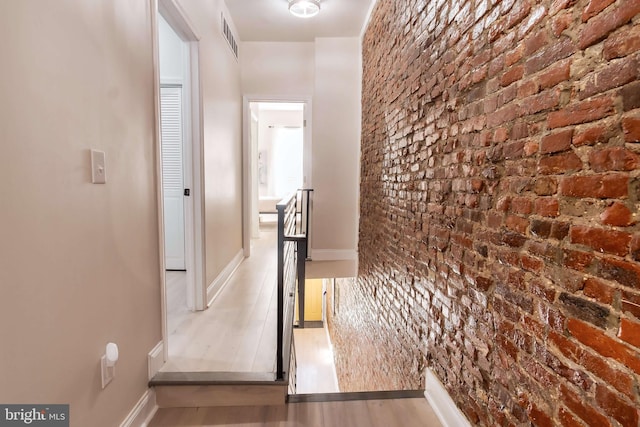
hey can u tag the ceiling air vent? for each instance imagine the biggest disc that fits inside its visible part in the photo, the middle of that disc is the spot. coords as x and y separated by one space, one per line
228 35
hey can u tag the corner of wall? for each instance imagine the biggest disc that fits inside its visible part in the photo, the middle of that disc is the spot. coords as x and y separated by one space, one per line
143 412
442 404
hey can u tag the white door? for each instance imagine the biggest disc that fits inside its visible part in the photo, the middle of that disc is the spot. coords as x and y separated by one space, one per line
172 176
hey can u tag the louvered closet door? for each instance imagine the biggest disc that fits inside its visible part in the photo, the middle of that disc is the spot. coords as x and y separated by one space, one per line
172 176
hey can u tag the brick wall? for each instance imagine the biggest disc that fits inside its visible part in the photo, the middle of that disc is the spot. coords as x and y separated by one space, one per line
499 242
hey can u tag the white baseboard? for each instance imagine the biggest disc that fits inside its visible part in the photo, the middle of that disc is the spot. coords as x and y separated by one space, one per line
334 254
442 404
143 412
218 284
155 359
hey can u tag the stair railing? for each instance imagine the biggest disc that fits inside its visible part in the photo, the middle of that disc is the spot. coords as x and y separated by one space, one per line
293 233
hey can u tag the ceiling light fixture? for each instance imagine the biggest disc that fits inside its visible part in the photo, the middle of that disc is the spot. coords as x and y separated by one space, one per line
304 8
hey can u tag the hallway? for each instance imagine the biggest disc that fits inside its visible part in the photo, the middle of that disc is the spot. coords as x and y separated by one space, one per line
237 333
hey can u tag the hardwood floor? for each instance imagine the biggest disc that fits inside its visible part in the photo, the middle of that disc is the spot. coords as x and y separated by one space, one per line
366 413
316 369
238 332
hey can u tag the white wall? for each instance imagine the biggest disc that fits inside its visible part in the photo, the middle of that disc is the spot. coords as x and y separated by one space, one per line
268 123
277 69
79 263
222 115
170 53
329 71
336 147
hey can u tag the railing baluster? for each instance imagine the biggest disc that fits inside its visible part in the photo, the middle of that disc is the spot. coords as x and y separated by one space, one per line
292 254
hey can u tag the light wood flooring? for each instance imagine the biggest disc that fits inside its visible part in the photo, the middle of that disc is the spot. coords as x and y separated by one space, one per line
314 355
237 333
366 413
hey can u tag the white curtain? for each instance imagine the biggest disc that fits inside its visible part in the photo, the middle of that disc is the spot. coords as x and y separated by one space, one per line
287 161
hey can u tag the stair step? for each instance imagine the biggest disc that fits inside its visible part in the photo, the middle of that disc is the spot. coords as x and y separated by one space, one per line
210 389
355 395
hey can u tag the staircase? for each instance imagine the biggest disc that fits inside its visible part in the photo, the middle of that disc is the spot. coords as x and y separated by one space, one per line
221 389
209 389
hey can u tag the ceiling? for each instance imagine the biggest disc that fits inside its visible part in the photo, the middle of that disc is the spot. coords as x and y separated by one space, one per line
270 20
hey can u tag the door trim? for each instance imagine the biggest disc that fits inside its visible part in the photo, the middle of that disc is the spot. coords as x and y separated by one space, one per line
248 175
175 16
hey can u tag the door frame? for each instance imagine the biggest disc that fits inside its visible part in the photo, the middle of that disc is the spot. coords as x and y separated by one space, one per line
176 17
248 175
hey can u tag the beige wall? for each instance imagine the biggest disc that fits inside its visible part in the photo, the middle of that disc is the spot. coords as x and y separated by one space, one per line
79 263
222 114
336 147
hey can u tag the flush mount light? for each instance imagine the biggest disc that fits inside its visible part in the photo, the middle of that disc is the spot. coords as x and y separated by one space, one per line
304 8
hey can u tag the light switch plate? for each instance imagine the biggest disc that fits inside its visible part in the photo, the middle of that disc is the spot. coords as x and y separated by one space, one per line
108 372
98 167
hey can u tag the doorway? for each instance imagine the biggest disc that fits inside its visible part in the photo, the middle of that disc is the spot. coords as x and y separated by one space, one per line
180 112
277 145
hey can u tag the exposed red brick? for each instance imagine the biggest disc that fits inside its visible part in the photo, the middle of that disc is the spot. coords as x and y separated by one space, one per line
549 207
553 53
560 163
622 43
596 339
598 27
498 190
631 303
578 260
517 223
560 23
519 130
556 142
521 205
587 413
567 419
511 75
503 204
624 272
594 7
558 5
631 128
615 74
630 332
543 101
519 11
635 247
555 74
599 186
618 215
627 414
610 241
583 112
527 88
598 290
630 96
559 230
594 363
590 136
500 134
614 159
532 44
530 263
539 416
